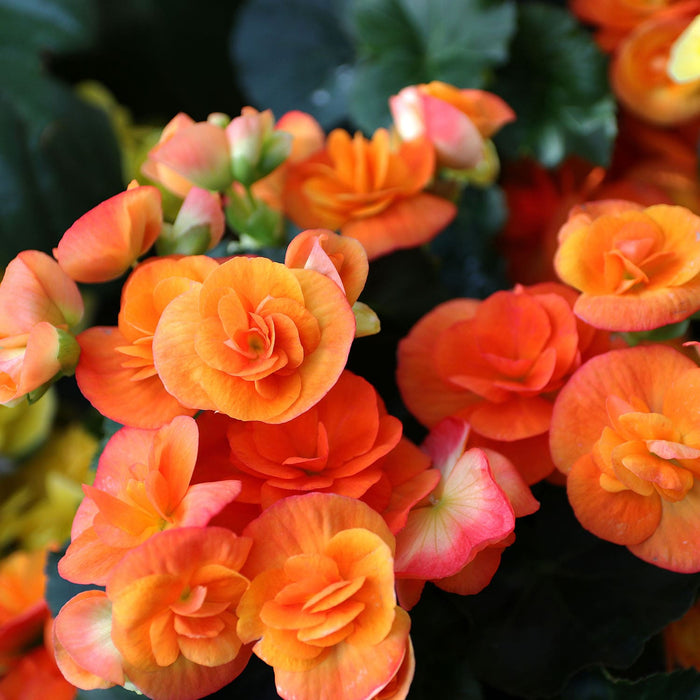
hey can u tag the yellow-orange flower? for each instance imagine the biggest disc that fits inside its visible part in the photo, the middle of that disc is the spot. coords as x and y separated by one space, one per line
368 190
636 269
625 431
321 602
256 340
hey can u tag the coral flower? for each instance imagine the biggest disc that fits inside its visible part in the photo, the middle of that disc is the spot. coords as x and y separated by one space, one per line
116 372
38 305
457 122
496 363
625 430
639 75
321 606
167 621
256 340
368 190
637 270
142 486
682 640
102 244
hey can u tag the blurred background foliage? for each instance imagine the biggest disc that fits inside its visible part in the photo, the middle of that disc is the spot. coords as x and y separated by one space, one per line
566 615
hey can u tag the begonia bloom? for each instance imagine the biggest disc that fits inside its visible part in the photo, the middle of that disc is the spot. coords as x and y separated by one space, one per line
256 340
496 363
625 431
142 486
339 257
638 72
466 512
368 190
345 444
103 243
684 60
167 620
38 305
636 270
682 640
321 607
116 371
456 121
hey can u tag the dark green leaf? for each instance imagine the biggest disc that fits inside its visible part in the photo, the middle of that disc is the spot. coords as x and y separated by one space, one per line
680 685
556 81
114 693
295 55
57 25
562 600
405 42
58 156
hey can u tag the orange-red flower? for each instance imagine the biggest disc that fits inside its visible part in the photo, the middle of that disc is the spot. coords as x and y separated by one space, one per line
369 190
625 430
256 340
116 371
682 640
142 487
38 305
639 76
321 606
167 620
103 243
456 121
636 270
344 444
495 362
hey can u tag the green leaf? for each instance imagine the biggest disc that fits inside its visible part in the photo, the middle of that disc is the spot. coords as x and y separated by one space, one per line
563 599
679 685
295 55
114 693
58 156
56 25
556 82
406 42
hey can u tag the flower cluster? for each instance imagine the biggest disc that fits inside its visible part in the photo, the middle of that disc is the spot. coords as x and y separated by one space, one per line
254 494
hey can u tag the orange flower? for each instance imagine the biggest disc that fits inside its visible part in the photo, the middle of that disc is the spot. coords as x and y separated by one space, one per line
321 602
369 191
256 340
457 122
167 621
38 305
142 487
343 445
682 640
496 363
102 244
342 259
625 430
638 73
616 18
637 270
116 372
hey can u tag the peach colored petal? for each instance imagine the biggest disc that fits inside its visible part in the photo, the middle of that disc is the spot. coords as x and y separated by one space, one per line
104 242
85 652
405 224
350 672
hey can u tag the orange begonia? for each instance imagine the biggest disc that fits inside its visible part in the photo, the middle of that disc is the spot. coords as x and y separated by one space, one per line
103 243
344 444
682 640
256 340
38 305
142 486
636 269
116 371
456 121
369 190
166 622
496 363
321 606
625 431
639 76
